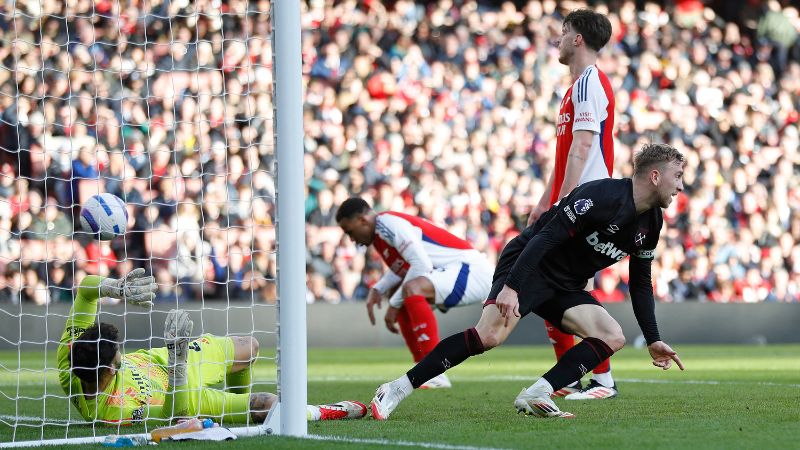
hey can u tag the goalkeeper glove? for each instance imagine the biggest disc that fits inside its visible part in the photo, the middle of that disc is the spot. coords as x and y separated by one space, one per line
177 332
135 288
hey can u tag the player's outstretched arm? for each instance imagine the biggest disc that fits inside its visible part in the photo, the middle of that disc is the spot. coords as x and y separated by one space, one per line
135 288
81 316
663 355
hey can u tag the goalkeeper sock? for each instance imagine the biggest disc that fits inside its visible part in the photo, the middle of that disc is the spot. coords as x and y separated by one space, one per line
239 382
451 352
579 360
424 329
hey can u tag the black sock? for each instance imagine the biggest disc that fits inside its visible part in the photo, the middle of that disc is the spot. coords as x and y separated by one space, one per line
577 362
450 352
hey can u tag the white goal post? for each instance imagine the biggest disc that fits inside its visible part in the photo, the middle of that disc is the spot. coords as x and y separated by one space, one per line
34 410
292 359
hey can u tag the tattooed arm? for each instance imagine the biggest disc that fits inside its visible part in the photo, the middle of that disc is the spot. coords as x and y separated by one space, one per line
260 404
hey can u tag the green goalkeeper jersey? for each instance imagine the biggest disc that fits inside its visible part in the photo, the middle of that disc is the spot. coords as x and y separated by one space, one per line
139 388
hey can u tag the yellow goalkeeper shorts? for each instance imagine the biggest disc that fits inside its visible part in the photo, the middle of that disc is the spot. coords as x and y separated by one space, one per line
210 359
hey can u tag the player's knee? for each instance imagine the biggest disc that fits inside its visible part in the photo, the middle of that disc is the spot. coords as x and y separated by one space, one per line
490 337
615 340
414 287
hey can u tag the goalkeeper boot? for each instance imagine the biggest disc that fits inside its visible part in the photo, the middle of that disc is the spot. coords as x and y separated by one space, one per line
438 382
386 399
567 390
594 391
540 405
349 409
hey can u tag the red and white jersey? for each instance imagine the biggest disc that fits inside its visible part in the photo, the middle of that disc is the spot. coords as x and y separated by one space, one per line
411 247
588 105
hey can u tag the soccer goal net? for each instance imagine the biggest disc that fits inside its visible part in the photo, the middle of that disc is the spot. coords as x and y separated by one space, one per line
172 106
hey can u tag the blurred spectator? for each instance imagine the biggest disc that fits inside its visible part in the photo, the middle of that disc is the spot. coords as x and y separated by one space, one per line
84 167
685 287
12 285
100 258
59 283
607 290
48 222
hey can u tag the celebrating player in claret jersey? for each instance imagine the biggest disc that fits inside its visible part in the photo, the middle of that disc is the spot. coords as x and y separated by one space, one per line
427 265
584 152
544 271
161 383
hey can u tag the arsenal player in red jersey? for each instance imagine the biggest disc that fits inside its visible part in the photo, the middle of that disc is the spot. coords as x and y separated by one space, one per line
427 266
584 152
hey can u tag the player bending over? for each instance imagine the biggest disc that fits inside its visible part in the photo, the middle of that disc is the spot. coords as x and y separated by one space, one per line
427 266
161 383
544 271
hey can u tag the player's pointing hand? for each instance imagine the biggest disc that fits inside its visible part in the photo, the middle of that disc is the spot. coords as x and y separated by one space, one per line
663 355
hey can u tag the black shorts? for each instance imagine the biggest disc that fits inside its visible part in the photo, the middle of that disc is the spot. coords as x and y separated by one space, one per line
538 295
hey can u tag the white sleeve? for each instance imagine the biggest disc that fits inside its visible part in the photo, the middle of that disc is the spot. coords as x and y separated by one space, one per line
407 240
590 102
388 281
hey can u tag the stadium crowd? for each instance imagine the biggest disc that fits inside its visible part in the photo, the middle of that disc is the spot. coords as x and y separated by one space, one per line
443 109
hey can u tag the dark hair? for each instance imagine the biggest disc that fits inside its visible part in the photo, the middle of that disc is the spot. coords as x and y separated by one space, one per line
655 154
352 207
94 351
594 27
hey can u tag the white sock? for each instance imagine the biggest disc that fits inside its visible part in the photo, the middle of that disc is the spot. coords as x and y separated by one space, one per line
403 384
604 378
313 413
540 385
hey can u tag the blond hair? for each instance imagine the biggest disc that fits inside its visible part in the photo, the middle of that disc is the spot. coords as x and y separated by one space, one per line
655 155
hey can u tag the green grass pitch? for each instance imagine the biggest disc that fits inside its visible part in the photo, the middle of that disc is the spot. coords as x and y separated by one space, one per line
728 397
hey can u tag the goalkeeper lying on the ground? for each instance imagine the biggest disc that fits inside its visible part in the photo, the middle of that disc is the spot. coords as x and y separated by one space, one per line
161 383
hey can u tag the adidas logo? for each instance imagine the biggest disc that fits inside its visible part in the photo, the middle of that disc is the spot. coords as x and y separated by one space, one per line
605 248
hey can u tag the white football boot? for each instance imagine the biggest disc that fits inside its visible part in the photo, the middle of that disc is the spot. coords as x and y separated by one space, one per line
438 382
539 405
386 399
594 391
567 390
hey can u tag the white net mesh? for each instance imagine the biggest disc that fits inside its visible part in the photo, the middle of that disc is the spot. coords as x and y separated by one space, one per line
168 105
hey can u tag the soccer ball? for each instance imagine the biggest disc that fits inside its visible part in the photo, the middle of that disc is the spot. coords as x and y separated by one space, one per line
104 215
